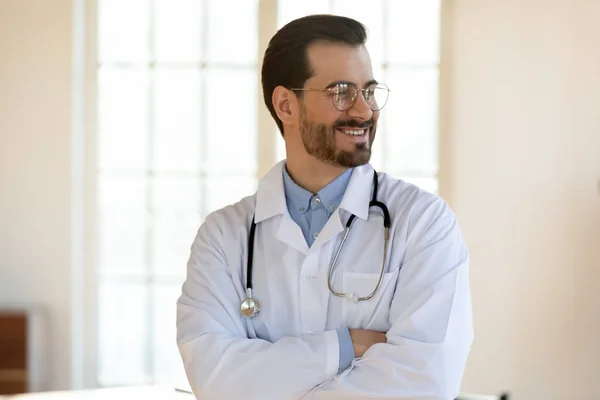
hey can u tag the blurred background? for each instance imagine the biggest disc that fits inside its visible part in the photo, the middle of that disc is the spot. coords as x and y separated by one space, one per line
124 122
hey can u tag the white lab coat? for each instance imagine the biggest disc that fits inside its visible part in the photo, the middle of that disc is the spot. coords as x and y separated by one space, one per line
290 350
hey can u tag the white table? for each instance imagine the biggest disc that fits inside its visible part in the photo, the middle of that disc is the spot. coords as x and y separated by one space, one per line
126 393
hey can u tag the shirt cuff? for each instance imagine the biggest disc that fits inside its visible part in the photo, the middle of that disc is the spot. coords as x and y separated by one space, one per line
346 349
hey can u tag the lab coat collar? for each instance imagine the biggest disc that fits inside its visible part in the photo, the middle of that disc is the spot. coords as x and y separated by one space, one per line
358 194
270 197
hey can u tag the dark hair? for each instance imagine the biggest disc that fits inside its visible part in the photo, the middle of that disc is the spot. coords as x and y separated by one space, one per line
286 59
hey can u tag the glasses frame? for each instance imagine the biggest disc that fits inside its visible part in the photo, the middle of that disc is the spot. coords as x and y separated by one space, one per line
330 91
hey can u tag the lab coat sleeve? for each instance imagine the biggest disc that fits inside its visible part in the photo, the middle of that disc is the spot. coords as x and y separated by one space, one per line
431 322
219 359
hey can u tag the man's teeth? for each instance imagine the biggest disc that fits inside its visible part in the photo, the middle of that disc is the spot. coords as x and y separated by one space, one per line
354 132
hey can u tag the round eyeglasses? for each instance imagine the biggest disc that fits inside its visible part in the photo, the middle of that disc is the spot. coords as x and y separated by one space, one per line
344 95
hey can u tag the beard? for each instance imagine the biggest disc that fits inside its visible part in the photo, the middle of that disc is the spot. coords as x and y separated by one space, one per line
320 142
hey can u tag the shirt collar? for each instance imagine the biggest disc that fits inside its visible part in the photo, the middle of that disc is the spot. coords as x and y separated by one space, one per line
271 201
330 196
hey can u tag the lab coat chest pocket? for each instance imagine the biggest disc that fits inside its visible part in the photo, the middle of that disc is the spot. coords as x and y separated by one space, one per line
373 314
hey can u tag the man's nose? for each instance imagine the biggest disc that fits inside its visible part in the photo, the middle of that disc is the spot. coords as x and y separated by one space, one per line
360 109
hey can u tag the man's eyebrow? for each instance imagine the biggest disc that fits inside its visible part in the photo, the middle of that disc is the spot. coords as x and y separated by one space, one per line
334 83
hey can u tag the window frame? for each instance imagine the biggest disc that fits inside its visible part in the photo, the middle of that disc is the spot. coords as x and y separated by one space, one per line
85 273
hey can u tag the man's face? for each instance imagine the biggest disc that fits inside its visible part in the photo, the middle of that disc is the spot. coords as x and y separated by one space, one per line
338 137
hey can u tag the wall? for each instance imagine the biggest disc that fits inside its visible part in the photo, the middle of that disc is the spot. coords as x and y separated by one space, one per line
520 158
520 166
35 175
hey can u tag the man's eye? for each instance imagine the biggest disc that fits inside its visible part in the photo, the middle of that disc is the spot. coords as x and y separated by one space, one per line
340 93
341 90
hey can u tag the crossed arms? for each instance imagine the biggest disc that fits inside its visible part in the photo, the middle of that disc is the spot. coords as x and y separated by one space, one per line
422 356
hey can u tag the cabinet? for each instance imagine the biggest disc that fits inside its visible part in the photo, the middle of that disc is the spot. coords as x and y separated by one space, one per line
22 349
13 352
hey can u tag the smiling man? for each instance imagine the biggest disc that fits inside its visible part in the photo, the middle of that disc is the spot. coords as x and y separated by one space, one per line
332 281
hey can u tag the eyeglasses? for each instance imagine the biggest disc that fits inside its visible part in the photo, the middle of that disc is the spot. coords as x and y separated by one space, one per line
344 95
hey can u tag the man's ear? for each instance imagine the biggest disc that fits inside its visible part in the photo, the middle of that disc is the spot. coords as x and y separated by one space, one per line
285 104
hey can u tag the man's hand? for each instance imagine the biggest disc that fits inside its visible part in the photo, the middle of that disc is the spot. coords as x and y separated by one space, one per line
362 339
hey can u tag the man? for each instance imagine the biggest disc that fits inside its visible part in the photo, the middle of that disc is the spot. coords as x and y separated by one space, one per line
330 325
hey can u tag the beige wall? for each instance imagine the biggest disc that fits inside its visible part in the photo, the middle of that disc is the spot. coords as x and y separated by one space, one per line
521 163
35 157
520 157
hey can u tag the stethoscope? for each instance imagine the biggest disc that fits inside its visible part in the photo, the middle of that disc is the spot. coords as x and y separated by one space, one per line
250 306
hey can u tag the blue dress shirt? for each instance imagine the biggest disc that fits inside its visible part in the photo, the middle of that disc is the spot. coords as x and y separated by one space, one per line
311 212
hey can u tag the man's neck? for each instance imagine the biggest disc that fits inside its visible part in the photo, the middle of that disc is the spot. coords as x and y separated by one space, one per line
313 175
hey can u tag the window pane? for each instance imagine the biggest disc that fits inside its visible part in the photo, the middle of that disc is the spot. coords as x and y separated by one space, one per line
122 191
413 31
280 147
231 104
122 243
123 118
123 30
378 153
232 31
177 213
177 192
122 334
378 150
177 119
173 234
222 191
177 35
168 366
371 17
380 74
429 184
288 10
122 225
411 120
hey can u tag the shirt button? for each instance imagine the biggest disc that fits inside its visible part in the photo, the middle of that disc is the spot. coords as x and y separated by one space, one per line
317 201
331 208
315 235
302 209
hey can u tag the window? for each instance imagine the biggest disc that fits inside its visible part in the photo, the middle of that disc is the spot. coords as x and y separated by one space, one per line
166 117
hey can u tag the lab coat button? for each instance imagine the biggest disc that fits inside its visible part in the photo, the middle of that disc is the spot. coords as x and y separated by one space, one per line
310 333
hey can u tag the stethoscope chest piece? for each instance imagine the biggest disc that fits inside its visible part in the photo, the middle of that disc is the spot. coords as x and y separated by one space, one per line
249 307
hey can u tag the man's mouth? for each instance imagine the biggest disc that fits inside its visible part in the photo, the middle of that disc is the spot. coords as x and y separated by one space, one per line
353 131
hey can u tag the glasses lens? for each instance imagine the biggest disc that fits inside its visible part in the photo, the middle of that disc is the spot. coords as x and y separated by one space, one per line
377 96
343 96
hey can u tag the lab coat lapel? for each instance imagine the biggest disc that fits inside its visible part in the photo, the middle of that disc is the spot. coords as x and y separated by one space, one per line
355 201
330 230
291 234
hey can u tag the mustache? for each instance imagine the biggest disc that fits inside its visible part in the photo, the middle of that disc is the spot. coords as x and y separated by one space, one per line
352 123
